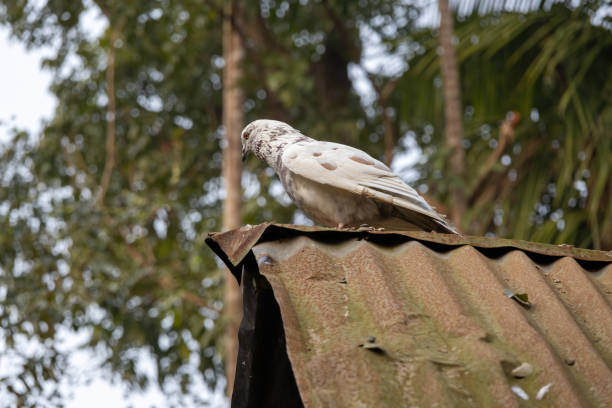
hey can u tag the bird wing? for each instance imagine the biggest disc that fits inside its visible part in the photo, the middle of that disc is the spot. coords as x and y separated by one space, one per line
353 170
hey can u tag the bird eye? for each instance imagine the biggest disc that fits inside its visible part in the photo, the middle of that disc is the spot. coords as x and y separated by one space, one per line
246 136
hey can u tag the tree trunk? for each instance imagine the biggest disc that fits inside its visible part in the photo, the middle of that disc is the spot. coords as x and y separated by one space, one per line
389 140
233 121
453 130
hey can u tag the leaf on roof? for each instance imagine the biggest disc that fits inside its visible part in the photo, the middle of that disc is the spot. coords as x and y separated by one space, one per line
521 298
374 347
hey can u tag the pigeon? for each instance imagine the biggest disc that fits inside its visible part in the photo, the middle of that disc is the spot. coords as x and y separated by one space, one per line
336 185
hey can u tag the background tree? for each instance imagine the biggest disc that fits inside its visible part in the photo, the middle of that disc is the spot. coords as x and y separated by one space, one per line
107 210
536 89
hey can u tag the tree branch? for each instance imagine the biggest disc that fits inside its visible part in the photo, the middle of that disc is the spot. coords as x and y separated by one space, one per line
383 93
111 114
506 135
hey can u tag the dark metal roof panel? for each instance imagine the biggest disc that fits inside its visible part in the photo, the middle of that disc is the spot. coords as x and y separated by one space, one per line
421 319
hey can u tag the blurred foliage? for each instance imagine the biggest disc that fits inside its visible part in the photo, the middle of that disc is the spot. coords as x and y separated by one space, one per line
131 273
551 181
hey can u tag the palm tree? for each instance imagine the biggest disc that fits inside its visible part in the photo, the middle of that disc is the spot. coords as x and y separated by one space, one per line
453 126
545 177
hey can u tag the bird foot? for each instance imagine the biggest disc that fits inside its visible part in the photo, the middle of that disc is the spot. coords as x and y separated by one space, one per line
367 226
347 227
357 228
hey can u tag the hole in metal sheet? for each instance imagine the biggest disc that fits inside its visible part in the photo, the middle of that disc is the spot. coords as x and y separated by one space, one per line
266 260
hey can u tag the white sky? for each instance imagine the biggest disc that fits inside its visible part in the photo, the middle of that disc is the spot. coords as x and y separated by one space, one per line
23 86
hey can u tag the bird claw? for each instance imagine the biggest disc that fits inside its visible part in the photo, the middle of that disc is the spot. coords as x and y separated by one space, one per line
367 227
347 227
361 227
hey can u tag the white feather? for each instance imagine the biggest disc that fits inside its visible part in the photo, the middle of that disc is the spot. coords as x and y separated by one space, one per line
375 180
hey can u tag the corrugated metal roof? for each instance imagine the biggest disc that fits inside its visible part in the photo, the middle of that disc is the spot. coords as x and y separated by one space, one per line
376 318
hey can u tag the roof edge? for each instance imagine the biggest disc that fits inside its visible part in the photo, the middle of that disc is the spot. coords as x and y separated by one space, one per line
234 245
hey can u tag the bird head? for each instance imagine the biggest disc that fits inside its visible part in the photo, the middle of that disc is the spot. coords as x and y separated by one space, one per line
261 133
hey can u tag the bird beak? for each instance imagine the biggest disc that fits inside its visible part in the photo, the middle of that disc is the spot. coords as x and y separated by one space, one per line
244 154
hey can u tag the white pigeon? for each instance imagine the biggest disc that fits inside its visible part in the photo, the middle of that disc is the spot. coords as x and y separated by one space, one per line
337 185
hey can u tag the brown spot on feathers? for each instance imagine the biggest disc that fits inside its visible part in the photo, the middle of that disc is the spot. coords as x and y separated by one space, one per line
362 160
328 166
316 154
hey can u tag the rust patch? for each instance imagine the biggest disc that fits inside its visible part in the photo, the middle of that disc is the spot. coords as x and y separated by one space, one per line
329 166
362 160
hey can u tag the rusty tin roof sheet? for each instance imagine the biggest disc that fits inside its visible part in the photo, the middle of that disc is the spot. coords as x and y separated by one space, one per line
419 319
